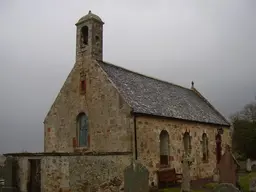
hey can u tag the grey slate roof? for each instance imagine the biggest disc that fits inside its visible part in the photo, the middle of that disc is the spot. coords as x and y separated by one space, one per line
147 95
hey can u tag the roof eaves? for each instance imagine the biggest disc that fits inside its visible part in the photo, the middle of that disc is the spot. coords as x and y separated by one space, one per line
165 117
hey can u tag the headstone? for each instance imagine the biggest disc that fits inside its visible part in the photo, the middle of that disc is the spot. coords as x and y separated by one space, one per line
248 165
216 175
228 167
225 187
136 178
185 185
2 160
252 185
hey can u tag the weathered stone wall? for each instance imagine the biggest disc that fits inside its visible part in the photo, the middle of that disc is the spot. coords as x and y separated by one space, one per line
55 173
78 173
100 172
83 173
110 123
148 142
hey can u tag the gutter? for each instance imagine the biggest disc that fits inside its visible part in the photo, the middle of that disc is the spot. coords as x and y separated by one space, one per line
135 135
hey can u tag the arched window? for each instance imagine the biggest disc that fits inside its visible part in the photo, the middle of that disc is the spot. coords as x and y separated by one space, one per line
218 147
82 130
164 148
205 147
84 36
187 143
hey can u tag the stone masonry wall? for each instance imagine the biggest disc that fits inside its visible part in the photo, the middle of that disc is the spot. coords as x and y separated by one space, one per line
148 142
110 124
78 173
83 173
94 173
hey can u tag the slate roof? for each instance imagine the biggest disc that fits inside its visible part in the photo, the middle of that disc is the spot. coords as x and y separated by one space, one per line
150 96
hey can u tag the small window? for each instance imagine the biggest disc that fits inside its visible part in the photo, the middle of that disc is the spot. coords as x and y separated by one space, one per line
84 36
205 147
83 86
82 82
97 38
187 143
164 148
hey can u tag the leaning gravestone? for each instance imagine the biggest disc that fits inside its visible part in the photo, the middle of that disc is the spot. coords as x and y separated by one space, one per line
252 186
228 167
136 178
225 187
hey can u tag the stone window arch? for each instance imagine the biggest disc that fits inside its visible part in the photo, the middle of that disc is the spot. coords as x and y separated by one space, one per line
205 148
82 130
187 143
164 148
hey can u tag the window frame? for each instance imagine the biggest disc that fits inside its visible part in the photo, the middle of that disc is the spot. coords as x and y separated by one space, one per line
79 130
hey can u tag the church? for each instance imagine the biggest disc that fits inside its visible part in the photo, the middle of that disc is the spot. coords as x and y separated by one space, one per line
105 108
105 117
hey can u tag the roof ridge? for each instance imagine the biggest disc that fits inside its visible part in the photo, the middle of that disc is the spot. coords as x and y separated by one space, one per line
154 78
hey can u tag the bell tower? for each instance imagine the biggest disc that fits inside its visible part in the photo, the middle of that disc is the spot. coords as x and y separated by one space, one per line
89 37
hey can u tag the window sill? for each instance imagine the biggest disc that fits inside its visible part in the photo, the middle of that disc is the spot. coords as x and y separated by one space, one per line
81 149
164 166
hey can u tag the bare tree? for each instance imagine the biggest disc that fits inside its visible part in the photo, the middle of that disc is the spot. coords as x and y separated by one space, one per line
248 113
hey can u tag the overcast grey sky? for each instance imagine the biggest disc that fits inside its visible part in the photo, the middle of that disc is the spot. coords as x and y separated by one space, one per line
212 43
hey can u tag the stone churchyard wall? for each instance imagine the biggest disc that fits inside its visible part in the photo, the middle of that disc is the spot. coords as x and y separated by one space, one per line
76 172
83 173
148 142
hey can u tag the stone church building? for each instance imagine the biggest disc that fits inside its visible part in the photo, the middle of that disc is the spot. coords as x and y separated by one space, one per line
105 117
105 108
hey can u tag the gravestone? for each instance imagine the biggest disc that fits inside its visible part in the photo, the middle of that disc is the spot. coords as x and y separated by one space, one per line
250 164
228 168
185 185
252 185
225 187
216 175
136 178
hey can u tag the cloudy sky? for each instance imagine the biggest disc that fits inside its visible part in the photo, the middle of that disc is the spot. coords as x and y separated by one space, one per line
212 43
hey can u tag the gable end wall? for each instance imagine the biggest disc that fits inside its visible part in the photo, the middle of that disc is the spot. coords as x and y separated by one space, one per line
110 127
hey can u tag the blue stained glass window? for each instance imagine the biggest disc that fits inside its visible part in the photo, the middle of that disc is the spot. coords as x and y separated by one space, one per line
82 130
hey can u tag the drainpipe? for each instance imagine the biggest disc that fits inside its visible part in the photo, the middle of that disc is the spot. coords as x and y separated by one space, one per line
135 135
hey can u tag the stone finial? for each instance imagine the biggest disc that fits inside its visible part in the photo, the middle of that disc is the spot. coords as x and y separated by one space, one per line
90 11
192 84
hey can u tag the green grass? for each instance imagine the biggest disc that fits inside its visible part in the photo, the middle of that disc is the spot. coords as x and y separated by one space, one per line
244 181
210 185
176 189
